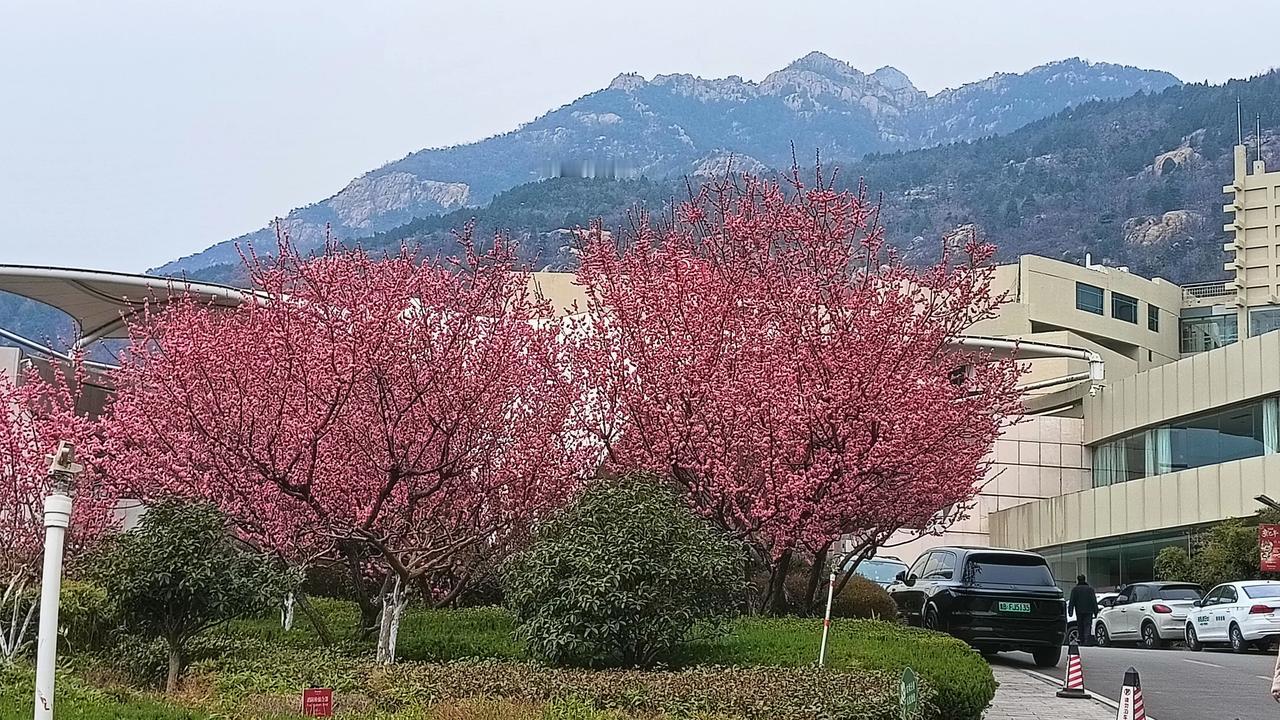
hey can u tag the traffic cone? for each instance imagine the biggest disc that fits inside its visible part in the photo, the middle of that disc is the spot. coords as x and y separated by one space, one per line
1131 705
1073 683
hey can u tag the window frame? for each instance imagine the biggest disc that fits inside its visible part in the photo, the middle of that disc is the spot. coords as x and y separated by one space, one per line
1102 299
1153 317
1127 300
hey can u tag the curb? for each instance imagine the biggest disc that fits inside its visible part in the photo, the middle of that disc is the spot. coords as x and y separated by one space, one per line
1100 699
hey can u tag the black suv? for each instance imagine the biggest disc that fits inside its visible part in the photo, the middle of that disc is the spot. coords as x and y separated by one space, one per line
995 600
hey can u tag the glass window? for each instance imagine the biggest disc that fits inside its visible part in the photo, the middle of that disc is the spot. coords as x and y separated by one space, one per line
1153 318
1264 321
946 564
1206 333
1142 593
1009 570
881 571
1256 592
1124 308
1177 592
1089 298
1228 595
1214 597
1235 433
917 568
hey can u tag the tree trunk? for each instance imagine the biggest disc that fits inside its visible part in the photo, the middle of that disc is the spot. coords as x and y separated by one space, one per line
816 573
317 620
778 585
393 603
175 667
369 609
286 612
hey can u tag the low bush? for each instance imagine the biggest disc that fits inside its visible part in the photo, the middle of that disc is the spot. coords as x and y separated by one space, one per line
960 683
623 577
864 599
762 693
86 618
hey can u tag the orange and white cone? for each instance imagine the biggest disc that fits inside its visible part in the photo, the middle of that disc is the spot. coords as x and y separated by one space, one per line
1073 683
1131 705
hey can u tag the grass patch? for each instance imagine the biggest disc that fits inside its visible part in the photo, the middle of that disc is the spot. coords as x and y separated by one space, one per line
73 700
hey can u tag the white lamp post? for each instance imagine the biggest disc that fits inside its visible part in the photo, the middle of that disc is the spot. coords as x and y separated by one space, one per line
57 516
826 619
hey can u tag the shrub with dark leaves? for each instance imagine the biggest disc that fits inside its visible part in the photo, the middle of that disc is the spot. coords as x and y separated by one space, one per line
622 578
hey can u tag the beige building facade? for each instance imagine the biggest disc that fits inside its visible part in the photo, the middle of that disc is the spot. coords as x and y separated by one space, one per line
1190 437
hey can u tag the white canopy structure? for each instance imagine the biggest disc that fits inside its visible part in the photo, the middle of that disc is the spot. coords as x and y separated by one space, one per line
102 302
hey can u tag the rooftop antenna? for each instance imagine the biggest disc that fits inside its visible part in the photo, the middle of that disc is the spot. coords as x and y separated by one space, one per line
1239 124
1257 134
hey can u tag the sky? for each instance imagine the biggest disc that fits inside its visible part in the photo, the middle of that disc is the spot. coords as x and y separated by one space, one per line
133 133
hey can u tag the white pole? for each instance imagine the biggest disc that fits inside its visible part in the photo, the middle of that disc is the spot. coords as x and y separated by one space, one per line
57 515
826 620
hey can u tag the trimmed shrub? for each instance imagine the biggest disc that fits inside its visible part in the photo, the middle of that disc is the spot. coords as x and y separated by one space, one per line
179 573
864 599
622 578
762 693
87 620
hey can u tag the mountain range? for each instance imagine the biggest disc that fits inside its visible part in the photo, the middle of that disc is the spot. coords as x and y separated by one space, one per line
677 125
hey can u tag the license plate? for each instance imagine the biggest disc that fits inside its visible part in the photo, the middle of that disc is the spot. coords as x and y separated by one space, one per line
1012 607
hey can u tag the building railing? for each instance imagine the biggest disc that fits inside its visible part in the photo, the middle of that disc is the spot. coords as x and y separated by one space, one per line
1202 290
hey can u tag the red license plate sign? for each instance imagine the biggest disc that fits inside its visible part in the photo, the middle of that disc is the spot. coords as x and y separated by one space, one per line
317 702
1269 548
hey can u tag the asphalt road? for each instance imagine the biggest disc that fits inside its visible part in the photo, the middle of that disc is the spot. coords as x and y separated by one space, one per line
1179 684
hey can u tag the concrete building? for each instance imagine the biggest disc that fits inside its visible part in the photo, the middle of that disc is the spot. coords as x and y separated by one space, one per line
1187 435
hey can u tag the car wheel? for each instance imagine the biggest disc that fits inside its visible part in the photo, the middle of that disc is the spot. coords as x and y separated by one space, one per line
1072 638
1238 645
1047 657
1151 637
1100 636
931 618
1193 640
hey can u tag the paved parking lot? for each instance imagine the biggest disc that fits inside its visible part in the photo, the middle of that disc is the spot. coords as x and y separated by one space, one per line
1176 684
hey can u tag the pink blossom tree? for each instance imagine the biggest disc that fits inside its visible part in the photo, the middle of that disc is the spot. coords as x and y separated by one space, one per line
404 416
793 375
34 416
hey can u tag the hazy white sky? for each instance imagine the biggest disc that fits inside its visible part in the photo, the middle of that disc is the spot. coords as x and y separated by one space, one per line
135 132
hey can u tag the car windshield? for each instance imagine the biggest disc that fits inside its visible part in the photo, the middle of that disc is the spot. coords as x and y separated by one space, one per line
1008 570
881 571
1262 591
1178 593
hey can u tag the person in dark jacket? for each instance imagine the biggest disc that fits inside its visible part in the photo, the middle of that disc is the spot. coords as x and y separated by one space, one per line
1084 603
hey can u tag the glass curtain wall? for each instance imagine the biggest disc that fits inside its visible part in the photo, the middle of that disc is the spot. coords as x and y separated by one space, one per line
1241 431
1113 562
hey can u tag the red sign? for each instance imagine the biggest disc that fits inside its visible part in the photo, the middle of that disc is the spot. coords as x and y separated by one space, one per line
1269 548
317 702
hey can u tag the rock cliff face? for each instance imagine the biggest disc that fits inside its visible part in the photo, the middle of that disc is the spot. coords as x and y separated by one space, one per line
682 124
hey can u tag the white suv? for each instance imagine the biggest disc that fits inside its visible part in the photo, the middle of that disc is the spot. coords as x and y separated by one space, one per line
1239 614
1152 614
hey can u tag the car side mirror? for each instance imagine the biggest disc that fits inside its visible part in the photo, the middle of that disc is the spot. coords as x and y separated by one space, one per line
1106 602
946 574
1198 603
901 577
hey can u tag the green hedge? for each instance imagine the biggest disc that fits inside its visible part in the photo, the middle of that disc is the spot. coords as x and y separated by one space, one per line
760 693
960 678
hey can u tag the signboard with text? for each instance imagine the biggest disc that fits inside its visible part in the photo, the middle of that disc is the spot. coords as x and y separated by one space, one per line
909 695
317 702
1269 548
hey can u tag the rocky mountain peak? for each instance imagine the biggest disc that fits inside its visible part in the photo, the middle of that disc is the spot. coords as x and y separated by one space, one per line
894 79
